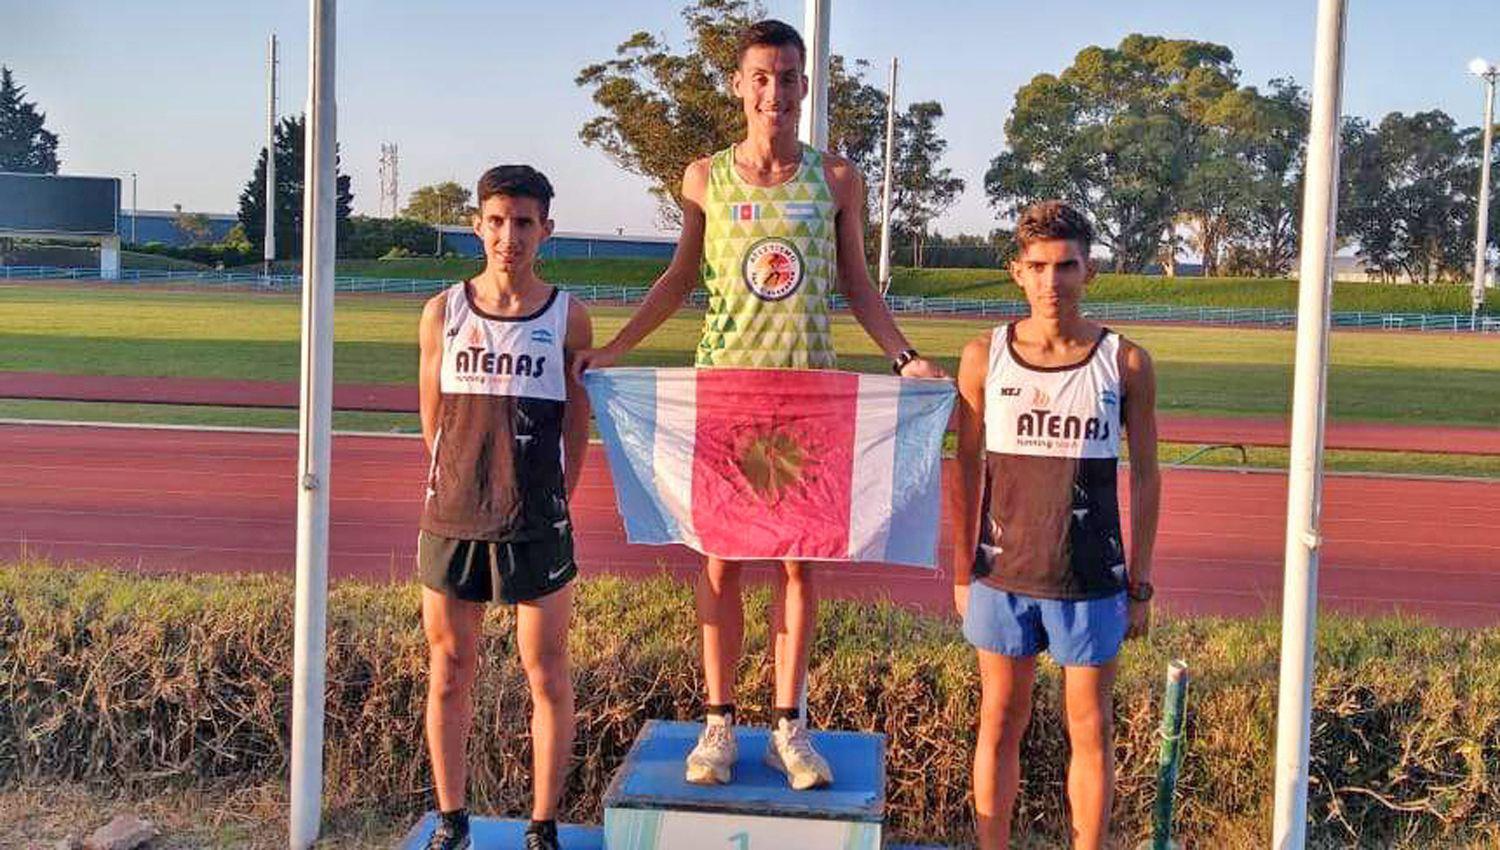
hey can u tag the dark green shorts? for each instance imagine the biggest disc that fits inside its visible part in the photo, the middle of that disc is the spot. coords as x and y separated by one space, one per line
485 571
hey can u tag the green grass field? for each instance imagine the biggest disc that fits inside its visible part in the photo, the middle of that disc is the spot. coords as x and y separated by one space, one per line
1432 378
1277 294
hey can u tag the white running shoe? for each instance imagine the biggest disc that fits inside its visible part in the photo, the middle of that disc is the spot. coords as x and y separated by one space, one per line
711 762
790 751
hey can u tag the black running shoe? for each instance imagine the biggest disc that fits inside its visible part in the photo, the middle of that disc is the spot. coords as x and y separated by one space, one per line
542 836
450 836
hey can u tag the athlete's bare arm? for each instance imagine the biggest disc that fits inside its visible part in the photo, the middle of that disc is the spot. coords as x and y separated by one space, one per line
430 365
854 282
575 425
1139 414
973 369
669 291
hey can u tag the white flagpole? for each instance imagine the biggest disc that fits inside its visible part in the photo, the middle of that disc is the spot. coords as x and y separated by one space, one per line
885 189
318 245
813 127
269 243
1305 476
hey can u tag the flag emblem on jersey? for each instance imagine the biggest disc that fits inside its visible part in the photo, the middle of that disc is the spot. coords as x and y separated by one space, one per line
773 463
744 212
799 210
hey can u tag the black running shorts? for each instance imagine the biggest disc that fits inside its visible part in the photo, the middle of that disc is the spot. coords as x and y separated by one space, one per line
486 571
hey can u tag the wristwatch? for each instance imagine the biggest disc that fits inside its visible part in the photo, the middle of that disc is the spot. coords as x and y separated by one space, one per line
1140 591
902 359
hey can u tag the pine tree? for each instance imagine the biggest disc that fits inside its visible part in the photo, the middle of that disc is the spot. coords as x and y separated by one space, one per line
290 135
25 145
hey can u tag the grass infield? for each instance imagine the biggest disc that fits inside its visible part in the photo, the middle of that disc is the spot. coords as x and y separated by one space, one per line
1274 293
158 685
83 329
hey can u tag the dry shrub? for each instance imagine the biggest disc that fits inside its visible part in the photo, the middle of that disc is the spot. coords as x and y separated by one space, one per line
175 682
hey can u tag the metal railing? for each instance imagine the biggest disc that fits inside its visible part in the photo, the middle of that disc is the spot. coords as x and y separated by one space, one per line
928 305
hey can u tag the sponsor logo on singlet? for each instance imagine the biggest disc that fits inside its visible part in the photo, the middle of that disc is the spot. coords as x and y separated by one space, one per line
1041 422
475 360
773 269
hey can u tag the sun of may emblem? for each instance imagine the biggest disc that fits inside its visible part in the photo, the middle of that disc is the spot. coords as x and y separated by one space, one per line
773 461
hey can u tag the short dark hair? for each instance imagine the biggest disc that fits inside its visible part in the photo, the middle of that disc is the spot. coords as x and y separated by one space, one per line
769 33
1045 220
516 181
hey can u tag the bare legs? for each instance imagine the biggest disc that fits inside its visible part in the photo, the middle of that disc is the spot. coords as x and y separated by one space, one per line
452 629
721 613
1005 710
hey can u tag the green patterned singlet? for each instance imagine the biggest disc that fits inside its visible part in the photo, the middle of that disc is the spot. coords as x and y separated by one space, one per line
769 265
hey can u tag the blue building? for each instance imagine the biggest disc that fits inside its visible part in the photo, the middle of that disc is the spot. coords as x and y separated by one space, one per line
161 226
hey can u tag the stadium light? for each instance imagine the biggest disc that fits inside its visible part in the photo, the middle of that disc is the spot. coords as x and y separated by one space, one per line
1487 72
1299 622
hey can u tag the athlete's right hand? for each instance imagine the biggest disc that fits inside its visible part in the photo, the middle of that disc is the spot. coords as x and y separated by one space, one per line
961 599
594 358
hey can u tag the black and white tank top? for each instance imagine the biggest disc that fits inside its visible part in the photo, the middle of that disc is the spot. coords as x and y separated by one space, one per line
497 464
1050 522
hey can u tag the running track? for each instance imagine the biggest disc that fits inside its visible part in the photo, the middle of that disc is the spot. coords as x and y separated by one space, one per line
402 398
194 501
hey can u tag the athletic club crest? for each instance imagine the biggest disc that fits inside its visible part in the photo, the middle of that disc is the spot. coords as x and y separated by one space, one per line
772 269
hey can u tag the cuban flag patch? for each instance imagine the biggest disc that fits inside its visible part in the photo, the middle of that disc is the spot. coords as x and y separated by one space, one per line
744 212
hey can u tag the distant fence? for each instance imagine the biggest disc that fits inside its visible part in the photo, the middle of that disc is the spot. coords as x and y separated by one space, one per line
921 304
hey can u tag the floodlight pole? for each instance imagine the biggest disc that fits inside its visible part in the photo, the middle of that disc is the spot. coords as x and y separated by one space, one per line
813 127
1305 475
269 254
314 441
135 212
885 189
1481 235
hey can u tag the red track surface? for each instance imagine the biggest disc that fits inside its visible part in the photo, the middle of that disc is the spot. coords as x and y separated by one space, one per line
392 398
201 501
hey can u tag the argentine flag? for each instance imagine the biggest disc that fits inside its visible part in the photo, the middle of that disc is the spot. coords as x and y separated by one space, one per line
776 463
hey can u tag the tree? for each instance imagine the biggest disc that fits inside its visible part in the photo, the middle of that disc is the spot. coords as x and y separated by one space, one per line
1412 183
1116 134
195 226
662 110
921 190
25 144
440 203
290 133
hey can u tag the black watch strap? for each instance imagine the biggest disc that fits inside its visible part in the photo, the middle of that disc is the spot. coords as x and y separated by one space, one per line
1140 591
902 359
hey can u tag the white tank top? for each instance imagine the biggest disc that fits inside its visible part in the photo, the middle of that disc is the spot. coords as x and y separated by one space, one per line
1053 411
497 464
504 356
1050 524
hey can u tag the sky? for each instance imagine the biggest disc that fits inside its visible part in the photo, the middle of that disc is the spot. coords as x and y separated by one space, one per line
175 91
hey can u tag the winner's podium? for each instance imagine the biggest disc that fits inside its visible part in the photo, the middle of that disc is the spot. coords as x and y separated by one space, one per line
650 806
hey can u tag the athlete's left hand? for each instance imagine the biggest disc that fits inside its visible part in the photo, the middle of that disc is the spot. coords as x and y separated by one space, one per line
921 367
1138 618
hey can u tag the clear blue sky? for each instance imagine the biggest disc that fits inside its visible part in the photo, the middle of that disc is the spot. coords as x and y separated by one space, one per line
175 90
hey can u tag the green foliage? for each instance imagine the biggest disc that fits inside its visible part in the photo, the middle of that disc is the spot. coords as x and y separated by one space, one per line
440 203
921 188
662 110
1412 186
290 135
368 238
26 145
181 683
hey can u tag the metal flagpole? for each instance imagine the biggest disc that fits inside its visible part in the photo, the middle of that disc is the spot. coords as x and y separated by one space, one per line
1488 74
316 416
1305 479
269 254
813 128
885 189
